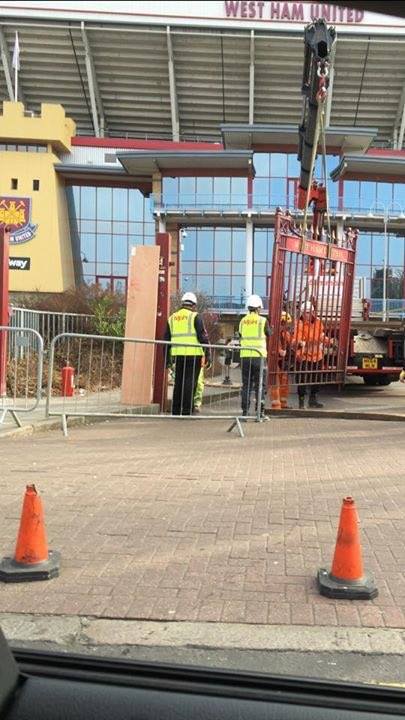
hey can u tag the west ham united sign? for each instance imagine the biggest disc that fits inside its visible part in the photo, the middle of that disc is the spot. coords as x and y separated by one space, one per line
15 212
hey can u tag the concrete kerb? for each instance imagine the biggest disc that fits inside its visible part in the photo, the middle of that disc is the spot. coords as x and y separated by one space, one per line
73 421
51 424
92 632
337 415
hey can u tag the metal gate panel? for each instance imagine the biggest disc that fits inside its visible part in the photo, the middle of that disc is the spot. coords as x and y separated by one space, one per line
312 282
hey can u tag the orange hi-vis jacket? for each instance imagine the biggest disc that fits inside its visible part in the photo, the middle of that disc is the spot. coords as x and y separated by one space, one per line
309 340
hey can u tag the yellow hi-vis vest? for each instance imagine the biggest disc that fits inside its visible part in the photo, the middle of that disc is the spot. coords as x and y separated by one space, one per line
251 330
182 331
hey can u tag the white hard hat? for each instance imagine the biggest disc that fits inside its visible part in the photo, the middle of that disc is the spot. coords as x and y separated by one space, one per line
307 307
189 298
254 301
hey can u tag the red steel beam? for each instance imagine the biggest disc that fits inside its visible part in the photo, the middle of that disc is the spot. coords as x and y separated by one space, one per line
163 309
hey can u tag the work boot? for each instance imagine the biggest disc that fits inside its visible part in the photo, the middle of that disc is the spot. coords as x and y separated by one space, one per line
313 402
301 404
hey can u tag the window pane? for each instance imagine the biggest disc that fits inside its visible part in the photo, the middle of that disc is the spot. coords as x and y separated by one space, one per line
363 249
88 202
88 226
204 283
261 164
261 190
104 282
222 285
204 268
135 205
367 195
278 192
399 197
238 267
205 187
104 203
103 248
222 268
120 228
239 190
260 286
103 226
120 204
278 165
88 245
205 245
120 248
293 166
119 286
351 194
187 191
222 190
222 246
238 286
188 266
190 246
384 195
260 245
170 189
238 245
396 251
378 249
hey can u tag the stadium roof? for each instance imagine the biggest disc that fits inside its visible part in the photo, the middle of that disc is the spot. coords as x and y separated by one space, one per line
183 81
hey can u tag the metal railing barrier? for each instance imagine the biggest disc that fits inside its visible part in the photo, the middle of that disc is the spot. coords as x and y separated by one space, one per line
102 376
20 373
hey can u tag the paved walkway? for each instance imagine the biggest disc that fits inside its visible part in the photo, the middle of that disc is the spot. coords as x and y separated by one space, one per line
179 520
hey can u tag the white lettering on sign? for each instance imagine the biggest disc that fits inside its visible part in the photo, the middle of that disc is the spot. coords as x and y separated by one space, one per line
19 263
291 11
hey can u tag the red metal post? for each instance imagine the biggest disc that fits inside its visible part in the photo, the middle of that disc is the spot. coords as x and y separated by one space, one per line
163 308
276 299
4 306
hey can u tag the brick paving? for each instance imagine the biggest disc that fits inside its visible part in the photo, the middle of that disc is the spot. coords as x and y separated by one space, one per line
182 521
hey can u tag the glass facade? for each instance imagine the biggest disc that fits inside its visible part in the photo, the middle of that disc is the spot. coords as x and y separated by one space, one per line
213 262
108 221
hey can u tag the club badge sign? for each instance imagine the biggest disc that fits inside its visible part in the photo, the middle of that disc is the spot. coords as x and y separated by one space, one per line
15 213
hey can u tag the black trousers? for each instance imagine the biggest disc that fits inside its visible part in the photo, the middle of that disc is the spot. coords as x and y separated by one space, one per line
186 372
308 377
251 368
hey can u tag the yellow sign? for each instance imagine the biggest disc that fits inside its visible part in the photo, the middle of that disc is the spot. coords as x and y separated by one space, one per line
370 363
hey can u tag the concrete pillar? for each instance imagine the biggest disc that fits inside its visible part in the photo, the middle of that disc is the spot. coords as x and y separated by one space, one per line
249 258
175 258
157 189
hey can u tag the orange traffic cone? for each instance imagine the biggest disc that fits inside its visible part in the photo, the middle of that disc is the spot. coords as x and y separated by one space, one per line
32 560
347 578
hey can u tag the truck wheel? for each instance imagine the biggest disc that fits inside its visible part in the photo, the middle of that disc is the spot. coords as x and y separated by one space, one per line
384 380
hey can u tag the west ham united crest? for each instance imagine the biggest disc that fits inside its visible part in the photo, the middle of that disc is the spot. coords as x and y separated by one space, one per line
15 212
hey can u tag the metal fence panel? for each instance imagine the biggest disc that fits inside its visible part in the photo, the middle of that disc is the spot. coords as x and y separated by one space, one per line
115 377
312 283
50 324
24 367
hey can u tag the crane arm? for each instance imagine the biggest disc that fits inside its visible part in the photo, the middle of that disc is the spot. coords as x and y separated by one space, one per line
319 42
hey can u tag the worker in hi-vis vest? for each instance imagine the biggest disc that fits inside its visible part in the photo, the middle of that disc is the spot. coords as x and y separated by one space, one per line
254 331
186 333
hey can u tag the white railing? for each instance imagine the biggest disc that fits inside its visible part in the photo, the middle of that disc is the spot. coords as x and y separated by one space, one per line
49 324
